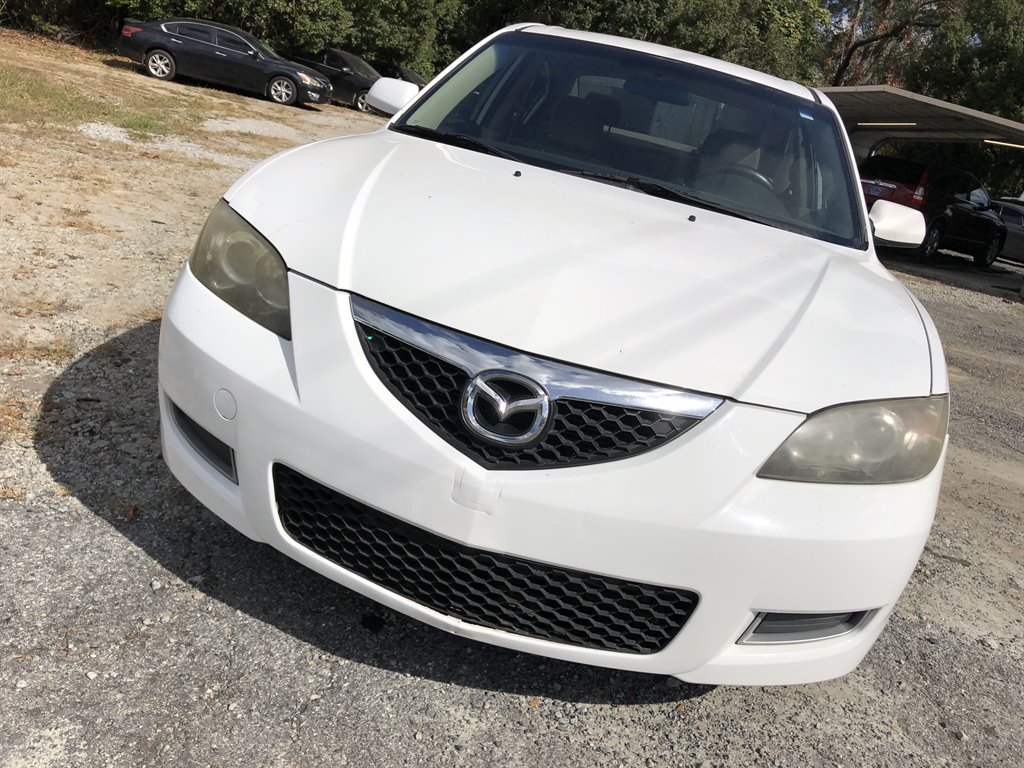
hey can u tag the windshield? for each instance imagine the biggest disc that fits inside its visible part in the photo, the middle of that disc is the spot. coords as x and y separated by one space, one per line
611 113
259 45
360 67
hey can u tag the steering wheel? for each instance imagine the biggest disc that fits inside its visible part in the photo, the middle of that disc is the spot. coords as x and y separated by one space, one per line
750 174
743 171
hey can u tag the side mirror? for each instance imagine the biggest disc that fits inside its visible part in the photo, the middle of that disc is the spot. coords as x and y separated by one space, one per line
346 70
896 226
389 96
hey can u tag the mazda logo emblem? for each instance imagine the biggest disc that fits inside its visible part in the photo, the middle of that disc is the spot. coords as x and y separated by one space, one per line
505 408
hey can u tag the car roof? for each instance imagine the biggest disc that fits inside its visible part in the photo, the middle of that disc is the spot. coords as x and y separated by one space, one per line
207 22
343 52
676 54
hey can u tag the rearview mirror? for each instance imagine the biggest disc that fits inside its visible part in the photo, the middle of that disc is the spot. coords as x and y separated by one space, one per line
896 226
389 96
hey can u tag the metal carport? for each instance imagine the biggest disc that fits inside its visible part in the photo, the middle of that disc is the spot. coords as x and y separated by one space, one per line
876 113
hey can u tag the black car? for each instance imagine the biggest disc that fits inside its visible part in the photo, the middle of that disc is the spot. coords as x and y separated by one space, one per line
349 74
217 53
398 72
1012 212
955 205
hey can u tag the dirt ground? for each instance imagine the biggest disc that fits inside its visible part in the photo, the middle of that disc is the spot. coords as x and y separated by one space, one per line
136 629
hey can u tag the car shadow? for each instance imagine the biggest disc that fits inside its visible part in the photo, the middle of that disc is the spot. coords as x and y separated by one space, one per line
1002 280
118 63
98 435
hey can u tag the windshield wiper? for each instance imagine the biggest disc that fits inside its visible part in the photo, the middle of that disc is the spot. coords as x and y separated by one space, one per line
455 139
632 182
657 189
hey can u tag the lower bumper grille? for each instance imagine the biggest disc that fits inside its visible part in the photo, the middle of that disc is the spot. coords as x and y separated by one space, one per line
482 588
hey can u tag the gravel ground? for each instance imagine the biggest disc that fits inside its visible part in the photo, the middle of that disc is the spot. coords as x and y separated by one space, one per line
137 629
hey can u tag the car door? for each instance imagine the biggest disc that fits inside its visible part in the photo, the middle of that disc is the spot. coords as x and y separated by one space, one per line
983 225
340 73
963 224
193 49
240 62
1014 219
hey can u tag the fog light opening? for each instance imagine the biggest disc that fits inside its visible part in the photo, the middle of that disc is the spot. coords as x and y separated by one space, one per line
216 452
773 628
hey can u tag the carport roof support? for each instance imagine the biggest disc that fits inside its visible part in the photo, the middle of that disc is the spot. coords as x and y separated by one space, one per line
874 113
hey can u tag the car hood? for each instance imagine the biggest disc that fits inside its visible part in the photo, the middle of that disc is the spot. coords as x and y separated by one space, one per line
589 273
320 76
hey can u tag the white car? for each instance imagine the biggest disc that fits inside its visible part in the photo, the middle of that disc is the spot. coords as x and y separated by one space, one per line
587 353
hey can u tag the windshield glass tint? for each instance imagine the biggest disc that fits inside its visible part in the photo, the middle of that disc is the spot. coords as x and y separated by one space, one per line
584 107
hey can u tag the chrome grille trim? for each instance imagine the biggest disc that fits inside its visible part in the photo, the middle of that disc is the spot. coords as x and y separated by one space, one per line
561 381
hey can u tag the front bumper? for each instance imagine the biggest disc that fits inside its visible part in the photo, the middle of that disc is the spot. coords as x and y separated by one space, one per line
314 94
690 514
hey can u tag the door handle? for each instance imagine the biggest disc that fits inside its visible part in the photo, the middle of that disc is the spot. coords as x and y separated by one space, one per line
220 54
175 40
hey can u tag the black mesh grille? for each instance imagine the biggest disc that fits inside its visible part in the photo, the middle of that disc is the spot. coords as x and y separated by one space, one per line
483 588
580 433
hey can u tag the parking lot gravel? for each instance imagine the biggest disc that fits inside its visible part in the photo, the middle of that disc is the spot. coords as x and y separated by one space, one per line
136 629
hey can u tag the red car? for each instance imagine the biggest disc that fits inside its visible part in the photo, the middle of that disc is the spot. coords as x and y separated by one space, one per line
956 206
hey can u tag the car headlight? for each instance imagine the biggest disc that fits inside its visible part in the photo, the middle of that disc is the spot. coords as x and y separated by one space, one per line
238 264
887 441
306 79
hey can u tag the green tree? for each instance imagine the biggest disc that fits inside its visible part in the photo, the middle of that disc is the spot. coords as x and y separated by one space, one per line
976 59
404 31
871 40
783 37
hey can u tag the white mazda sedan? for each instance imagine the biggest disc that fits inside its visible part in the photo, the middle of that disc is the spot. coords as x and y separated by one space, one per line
586 353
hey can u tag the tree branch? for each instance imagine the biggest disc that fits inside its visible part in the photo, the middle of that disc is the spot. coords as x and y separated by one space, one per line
896 31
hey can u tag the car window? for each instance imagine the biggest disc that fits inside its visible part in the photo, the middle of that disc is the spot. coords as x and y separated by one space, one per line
582 107
360 67
198 32
332 59
1012 216
232 41
978 196
172 28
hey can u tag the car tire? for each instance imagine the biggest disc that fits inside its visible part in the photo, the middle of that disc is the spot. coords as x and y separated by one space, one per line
932 239
988 257
359 102
282 90
159 64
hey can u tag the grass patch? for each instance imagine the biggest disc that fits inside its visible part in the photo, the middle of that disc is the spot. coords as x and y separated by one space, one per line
78 218
56 351
25 97
33 306
9 492
14 418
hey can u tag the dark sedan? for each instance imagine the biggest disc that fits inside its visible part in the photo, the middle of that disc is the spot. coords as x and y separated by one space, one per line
398 72
349 74
217 53
955 205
